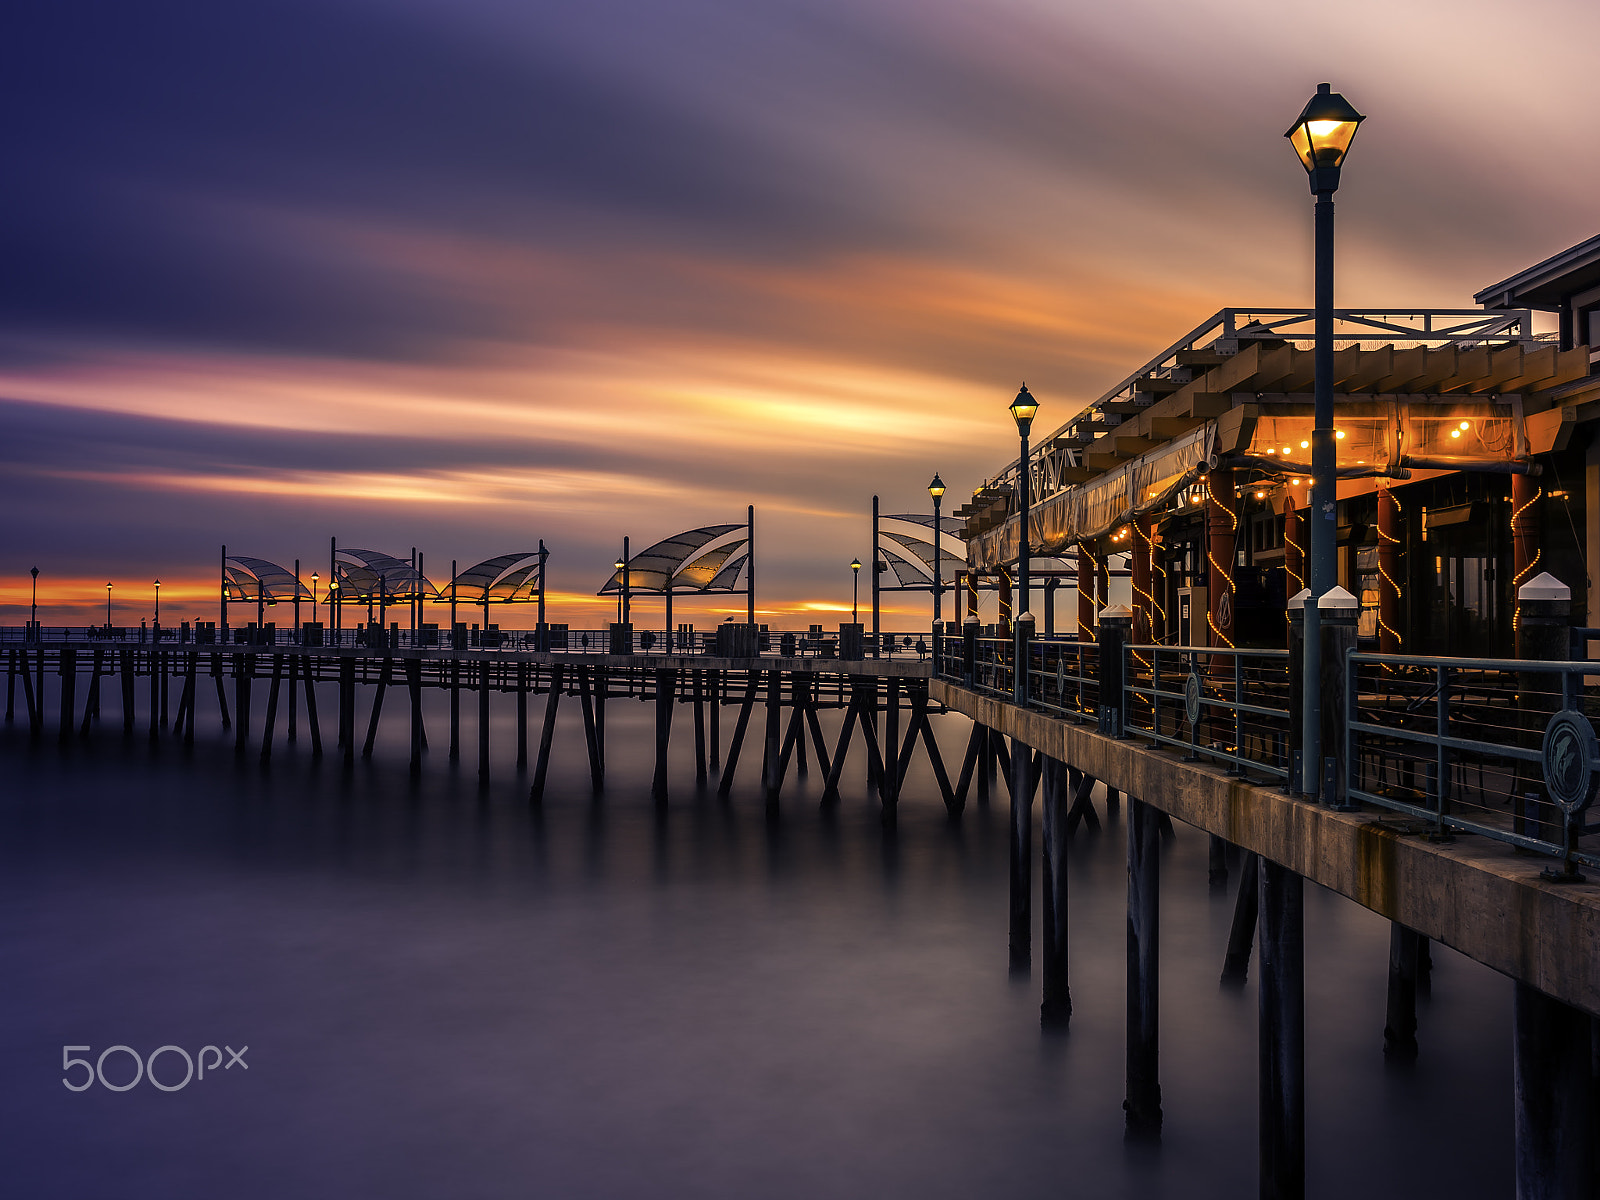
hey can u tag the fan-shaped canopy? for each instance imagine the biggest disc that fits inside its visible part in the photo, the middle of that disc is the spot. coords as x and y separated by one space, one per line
506 579
717 570
371 575
247 578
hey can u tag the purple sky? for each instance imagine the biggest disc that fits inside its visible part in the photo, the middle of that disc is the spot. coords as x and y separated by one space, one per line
460 276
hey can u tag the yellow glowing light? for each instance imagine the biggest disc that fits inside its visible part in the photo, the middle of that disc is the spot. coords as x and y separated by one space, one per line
1261 495
1464 425
1339 433
1455 433
1286 449
1296 482
1270 450
1305 445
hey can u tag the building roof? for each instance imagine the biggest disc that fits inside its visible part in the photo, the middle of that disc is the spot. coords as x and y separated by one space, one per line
1547 284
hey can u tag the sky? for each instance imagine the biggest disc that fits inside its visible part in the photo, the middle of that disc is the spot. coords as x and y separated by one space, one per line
461 276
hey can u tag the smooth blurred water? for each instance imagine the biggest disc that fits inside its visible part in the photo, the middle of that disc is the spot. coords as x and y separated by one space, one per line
448 995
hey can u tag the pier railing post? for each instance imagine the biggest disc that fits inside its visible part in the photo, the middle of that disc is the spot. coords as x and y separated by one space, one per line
1116 624
1338 612
1544 631
969 649
1297 785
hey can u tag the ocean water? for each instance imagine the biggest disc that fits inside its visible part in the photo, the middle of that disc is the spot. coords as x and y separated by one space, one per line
445 993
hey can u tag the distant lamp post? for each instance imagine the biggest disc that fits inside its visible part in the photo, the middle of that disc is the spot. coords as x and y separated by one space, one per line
936 490
33 617
158 603
1321 137
622 586
108 606
1023 410
855 589
314 578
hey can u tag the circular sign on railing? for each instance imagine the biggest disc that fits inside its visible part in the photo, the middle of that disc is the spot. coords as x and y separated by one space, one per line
1571 761
1191 699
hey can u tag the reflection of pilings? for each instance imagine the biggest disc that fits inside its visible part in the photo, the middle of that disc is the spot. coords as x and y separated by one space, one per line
1554 1087
666 688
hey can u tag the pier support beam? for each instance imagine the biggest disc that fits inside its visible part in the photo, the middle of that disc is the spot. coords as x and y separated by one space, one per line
1021 855
547 733
1282 1033
1554 1097
1056 1006
1143 1103
483 723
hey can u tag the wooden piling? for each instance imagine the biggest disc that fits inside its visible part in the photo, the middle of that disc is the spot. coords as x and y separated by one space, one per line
69 682
243 669
1400 1014
222 696
347 709
1236 964
1143 1103
734 746
522 715
11 685
1021 935
272 708
699 729
771 748
483 721
292 733
597 776
666 695
1056 1006
191 688
414 688
717 690
153 661
311 713
377 706
91 700
1554 1097
1281 1031
546 734
455 709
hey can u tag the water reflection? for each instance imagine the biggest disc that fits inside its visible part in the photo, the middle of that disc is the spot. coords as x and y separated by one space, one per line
448 995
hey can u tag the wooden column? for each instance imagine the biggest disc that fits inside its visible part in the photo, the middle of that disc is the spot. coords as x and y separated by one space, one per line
1221 524
1400 1023
69 682
1525 551
1294 550
1087 572
1389 570
483 721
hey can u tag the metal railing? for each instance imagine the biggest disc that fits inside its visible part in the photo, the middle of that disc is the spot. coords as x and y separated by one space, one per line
1458 743
1224 704
784 643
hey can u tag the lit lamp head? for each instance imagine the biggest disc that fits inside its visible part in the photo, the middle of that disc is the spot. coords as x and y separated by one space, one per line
855 565
1023 409
1321 136
936 488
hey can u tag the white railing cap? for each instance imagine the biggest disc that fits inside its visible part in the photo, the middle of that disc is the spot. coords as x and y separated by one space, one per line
1544 586
1298 600
1337 598
1027 616
1116 612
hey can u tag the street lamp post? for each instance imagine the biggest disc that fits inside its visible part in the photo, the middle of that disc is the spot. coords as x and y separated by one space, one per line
855 589
314 578
33 611
1023 409
622 580
936 490
108 606
1321 137
158 604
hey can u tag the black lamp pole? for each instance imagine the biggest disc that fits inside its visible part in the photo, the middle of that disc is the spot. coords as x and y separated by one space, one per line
33 616
855 589
936 490
1321 137
1023 409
